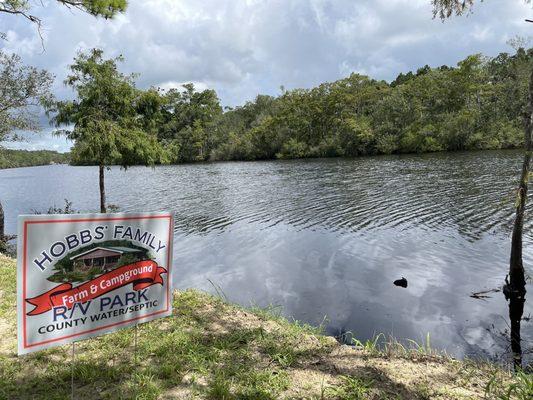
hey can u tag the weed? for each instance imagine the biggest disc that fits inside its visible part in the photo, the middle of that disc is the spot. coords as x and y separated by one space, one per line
350 388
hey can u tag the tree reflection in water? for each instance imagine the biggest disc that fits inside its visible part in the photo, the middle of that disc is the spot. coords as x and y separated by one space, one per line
516 299
516 311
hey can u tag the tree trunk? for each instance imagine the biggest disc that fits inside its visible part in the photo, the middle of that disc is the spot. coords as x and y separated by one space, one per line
2 226
516 267
517 282
515 289
516 310
102 190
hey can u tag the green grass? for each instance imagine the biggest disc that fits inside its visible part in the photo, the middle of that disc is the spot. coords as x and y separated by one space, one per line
520 389
351 388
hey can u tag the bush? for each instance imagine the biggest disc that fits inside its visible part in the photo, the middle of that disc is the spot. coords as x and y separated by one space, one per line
293 149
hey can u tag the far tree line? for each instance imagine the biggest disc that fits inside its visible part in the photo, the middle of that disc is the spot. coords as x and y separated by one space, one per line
27 158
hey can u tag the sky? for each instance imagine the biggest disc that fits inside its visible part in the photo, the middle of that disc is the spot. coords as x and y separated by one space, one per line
244 47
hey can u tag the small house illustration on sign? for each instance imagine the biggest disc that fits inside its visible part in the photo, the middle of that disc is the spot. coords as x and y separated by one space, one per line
103 257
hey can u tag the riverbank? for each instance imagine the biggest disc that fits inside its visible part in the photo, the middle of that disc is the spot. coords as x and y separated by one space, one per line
10 158
50 157
210 349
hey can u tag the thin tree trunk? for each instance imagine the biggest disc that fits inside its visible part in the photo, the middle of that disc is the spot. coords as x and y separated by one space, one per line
517 282
3 238
2 226
102 189
515 289
516 267
516 311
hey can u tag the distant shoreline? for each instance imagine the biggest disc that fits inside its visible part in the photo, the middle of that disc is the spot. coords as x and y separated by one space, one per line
516 149
11 158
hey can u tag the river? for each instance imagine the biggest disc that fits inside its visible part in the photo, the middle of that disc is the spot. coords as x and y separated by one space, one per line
324 240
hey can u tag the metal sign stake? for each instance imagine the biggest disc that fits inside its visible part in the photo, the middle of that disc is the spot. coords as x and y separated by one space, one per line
135 358
135 344
72 373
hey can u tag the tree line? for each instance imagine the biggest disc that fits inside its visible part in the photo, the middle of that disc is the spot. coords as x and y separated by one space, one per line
478 104
27 158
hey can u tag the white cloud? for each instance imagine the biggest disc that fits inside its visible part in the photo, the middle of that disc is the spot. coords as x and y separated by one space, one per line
44 140
200 86
482 33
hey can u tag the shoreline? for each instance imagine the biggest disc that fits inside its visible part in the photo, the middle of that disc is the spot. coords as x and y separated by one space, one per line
210 349
364 156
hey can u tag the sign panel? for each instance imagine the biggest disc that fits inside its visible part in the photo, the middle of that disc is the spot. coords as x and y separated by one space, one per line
85 275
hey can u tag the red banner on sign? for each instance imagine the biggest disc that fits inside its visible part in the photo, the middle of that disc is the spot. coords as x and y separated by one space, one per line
141 274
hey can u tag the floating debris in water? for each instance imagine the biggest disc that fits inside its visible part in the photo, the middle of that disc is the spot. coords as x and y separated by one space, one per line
484 294
401 282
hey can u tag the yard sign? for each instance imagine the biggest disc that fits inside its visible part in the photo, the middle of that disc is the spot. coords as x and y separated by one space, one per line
85 275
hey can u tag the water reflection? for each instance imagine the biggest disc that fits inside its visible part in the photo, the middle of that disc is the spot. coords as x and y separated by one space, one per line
327 238
516 311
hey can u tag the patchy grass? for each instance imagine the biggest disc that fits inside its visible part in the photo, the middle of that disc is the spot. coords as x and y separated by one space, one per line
210 349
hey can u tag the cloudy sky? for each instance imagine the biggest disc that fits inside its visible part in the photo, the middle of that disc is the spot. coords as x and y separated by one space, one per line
244 47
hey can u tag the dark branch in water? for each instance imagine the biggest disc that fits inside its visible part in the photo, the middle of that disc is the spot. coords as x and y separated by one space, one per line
483 294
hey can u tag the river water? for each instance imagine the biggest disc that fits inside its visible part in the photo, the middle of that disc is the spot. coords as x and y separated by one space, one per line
324 240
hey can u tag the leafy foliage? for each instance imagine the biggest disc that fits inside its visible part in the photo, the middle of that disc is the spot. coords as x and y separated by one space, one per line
22 90
107 128
67 209
187 122
26 158
476 105
446 8
110 122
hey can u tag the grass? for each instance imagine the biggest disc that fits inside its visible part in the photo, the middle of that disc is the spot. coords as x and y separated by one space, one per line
210 349
379 345
350 388
521 388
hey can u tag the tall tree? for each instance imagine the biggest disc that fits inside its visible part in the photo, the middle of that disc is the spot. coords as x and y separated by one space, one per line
22 90
515 288
445 9
98 8
22 87
107 127
189 122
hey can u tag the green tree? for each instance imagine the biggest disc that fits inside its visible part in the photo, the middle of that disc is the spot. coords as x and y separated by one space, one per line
22 90
474 105
27 158
515 289
108 128
21 87
189 122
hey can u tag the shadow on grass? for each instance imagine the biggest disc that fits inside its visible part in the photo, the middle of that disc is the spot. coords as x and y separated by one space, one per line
206 349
